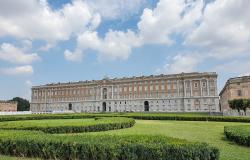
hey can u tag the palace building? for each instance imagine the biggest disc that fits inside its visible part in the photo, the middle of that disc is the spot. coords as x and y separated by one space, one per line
184 92
8 106
235 88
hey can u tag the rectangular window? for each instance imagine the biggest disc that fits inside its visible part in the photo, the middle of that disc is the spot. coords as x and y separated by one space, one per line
130 88
246 93
151 87
195 84
204 84
162 87
157 87
239 93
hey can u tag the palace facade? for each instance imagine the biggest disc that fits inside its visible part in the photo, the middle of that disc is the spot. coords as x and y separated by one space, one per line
235 88
8 106
185 92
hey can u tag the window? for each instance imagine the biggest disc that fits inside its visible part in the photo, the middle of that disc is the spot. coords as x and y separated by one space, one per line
195 84
204 84
239 93
135 88
157 87
130 88
162 87
151 87
246 93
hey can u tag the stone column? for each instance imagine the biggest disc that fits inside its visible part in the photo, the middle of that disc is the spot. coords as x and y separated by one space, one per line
200 88
191 87
208 87
184 87
112 92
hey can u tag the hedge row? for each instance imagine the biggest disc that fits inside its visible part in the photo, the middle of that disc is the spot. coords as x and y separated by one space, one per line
239 134
102 147
70 125
146 116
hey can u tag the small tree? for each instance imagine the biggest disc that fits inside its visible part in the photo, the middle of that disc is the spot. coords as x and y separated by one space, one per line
22 104
246 104
236 104
232 104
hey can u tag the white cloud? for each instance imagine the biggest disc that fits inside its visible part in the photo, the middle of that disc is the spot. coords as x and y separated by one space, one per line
236 67
224 29
116 9
181 63
34 19
16 55
169 17
21 70
115 45
156 26
73 56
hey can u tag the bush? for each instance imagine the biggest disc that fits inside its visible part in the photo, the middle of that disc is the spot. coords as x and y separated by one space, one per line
145 116
70 125
102 147
239 134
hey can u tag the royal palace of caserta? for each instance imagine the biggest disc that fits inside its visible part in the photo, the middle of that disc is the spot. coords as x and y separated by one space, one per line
184 92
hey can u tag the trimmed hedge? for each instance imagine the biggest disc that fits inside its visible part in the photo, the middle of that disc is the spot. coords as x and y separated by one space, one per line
102 147
239 134
70 125
145 116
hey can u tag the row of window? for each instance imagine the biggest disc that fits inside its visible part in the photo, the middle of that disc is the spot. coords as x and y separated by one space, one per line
122 88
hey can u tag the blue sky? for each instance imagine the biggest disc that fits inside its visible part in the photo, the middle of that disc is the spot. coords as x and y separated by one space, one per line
62 40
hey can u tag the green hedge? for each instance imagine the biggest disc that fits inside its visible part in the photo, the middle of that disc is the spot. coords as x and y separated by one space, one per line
146 116
239 134
102 147
70 125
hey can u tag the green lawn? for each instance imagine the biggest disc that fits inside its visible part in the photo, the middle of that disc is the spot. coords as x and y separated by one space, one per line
210 132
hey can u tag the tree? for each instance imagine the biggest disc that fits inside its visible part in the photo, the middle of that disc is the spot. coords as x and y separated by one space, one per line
22 104
232 104
246 104
236 104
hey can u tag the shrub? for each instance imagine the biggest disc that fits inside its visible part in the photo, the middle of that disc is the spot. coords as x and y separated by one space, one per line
102 147
70 125
239 134
146 116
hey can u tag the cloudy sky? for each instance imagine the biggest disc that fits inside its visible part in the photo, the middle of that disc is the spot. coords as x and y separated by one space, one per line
44 41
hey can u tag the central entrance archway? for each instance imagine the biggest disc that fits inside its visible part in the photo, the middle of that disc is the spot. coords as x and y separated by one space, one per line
146 106
104 107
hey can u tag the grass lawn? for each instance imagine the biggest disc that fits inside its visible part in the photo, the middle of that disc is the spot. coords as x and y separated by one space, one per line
200 131
210 132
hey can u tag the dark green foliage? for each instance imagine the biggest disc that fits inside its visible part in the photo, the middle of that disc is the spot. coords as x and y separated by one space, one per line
70 126
239 104
102 147
22 104
238 134
145 116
